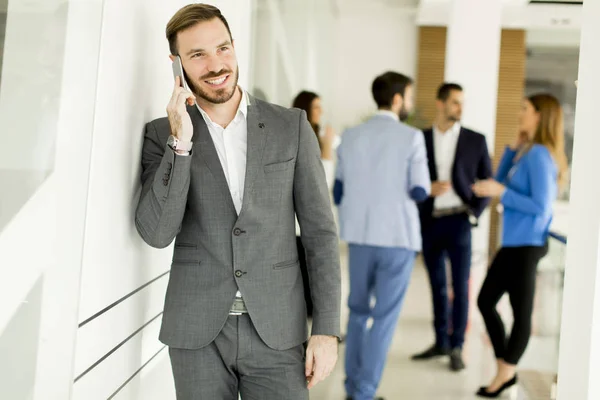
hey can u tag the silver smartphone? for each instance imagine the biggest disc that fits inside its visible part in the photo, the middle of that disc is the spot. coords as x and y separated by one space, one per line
178 71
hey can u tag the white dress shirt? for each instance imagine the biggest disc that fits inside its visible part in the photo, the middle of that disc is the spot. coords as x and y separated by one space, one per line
444 147
232 147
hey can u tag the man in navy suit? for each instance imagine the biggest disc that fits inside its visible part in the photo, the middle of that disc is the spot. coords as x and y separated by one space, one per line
457 157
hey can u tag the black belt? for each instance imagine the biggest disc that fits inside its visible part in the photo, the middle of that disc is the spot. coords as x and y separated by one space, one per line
448 212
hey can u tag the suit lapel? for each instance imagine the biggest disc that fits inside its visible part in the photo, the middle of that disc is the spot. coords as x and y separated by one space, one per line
257 133
431 154
208 152
460 149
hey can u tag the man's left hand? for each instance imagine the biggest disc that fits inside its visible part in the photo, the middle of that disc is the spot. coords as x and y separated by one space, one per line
488 188
321 356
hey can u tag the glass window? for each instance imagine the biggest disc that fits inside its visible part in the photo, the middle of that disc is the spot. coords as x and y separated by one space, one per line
32 47
553 70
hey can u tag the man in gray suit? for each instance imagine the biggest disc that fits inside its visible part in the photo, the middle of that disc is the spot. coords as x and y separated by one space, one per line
224 175
382 173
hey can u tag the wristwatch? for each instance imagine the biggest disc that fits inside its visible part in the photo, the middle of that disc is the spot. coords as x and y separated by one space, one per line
179 145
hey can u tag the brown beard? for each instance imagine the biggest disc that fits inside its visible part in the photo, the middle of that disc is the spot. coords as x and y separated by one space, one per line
403 114
220 96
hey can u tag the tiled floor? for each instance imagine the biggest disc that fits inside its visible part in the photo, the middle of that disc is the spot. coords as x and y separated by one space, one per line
407 380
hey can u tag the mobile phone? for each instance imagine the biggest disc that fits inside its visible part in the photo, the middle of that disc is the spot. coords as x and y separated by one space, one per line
178 72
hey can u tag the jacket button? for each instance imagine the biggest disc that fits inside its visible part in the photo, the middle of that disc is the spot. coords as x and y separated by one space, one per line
237 231
165 182
238 273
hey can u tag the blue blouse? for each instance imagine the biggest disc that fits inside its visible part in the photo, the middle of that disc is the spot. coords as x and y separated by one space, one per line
531 188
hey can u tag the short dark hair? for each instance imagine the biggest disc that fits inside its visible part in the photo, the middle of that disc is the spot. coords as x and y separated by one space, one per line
387 85
445 90
188 17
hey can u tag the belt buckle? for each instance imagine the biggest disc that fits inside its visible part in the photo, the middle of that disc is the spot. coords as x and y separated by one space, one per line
238 307
446 212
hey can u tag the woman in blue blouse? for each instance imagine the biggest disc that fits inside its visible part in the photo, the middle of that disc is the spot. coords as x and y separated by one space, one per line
527 184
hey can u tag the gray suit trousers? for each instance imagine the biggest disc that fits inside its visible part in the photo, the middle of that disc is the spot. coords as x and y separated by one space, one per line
239 362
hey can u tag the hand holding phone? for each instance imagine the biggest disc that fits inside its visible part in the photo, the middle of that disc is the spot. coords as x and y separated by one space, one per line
178 72
179 119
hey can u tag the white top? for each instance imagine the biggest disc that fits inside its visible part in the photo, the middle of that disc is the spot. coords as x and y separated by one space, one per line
444 147
232 147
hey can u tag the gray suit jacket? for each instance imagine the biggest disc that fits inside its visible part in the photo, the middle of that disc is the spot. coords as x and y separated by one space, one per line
217 251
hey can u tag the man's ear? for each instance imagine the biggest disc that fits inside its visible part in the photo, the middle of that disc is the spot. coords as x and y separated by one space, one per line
439 104
397 100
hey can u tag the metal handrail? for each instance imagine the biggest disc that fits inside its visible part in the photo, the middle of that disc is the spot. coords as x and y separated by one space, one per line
559 237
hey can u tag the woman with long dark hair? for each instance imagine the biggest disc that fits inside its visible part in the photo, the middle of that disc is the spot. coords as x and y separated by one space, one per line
527 183
311 103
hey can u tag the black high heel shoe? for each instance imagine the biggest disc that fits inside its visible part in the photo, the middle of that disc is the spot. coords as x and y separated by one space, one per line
492 395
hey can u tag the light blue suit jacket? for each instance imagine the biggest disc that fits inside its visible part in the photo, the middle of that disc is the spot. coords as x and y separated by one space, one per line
381 165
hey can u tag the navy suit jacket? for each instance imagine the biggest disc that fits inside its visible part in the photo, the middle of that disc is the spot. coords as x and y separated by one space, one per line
471 163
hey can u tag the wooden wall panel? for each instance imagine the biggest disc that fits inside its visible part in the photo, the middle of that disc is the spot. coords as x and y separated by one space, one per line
511 87
430 72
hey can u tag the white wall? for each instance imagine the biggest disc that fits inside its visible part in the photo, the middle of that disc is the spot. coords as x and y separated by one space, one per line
369 41
41 246
336 52
548 37
280 43
517 14
134 86
579 356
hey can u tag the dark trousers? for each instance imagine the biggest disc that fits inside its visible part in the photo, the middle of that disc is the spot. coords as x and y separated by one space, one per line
449 237
513 271
304 270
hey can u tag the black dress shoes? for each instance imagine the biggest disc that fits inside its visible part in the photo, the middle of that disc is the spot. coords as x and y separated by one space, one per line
456 360
433 352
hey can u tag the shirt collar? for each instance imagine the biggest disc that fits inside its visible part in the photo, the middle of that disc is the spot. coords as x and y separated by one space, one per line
242 108
454 130
388 113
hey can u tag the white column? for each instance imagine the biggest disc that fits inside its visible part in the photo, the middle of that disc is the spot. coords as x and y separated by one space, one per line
312 39
61 293
579 357
472 60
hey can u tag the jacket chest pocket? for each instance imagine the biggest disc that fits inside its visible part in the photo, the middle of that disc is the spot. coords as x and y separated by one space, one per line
186 254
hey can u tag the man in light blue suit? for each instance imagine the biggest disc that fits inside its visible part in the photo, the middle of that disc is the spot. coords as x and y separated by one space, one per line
382 174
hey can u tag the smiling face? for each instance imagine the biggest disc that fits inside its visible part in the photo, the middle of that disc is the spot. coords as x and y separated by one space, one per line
209 61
